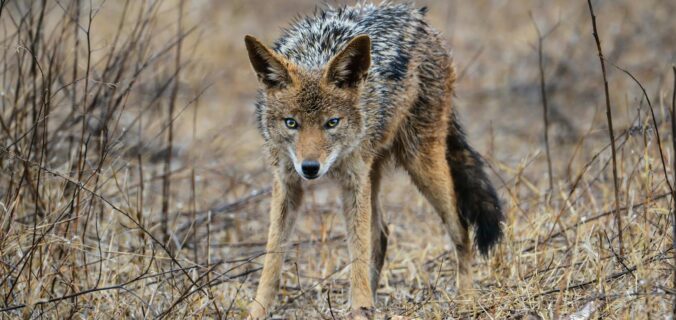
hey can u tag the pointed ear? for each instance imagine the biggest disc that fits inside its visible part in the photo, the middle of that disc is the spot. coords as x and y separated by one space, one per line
349 67
269 67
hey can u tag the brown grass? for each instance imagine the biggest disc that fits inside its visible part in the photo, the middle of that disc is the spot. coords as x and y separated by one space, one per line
133 183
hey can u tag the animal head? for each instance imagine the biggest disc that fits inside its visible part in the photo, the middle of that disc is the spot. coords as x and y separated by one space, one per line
312 116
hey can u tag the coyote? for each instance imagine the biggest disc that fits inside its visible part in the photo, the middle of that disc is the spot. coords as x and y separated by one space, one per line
344 92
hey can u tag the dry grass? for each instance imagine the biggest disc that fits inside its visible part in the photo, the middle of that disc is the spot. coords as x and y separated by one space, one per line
86 229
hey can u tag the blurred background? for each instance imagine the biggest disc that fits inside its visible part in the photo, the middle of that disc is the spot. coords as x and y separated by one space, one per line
134 183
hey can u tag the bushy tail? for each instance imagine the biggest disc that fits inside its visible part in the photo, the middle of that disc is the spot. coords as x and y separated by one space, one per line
477 200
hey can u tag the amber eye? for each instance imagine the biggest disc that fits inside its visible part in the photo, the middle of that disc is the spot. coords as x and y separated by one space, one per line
332 123
291 123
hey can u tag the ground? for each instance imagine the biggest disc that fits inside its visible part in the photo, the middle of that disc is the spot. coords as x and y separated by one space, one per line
96 224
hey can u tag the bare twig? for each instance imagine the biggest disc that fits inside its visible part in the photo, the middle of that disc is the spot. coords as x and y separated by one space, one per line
673 195
328 301
655 125
166 182
108 202
66 297
543 93
609 115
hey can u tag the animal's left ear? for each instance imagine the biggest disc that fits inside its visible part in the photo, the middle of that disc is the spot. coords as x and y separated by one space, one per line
350 66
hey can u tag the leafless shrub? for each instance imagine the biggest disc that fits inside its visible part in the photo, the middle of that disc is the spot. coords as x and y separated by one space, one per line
132 182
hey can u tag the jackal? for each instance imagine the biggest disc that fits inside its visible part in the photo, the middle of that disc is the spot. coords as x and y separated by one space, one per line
342 93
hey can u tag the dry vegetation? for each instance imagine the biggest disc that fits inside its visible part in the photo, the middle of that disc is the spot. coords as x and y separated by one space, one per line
133 183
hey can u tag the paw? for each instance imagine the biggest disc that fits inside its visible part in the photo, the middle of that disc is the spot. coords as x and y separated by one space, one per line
465 285
361 314
256 311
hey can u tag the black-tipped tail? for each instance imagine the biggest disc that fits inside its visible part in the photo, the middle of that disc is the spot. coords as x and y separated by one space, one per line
477 200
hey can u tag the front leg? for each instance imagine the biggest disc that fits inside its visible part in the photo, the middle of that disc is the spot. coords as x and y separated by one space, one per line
286 196
357 202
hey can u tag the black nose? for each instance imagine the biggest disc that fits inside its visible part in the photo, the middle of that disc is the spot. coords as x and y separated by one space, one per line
310 168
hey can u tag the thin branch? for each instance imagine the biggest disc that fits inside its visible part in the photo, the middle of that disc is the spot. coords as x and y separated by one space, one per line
655 125
609 115
166 183
543 93
82 186
673 195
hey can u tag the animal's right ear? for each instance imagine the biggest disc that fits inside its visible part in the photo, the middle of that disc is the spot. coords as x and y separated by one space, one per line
269 67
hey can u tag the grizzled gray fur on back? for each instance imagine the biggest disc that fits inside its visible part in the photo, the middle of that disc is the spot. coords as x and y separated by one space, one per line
394 30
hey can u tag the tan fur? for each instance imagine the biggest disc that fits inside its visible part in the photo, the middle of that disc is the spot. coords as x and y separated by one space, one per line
415 139
286 195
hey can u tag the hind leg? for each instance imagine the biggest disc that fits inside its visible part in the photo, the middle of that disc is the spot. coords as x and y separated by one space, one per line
379 231
431 173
